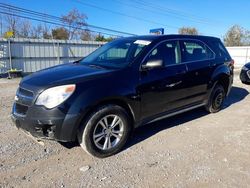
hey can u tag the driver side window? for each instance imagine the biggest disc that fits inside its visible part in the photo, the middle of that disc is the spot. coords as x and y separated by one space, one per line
168 52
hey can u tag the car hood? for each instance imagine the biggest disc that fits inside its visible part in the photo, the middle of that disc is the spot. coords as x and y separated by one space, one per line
62 74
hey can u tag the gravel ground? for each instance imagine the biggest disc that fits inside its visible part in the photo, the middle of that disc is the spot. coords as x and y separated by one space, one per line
194 149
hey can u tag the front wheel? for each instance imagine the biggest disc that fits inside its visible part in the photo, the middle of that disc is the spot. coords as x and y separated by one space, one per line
216 99
106 132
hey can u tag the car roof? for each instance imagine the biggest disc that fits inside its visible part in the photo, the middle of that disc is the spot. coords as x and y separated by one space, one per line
174 36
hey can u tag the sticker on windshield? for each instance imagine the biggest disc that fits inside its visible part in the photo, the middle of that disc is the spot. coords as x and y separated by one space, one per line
142 42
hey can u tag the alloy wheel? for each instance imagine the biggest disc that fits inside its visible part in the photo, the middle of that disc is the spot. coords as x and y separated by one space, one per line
108 132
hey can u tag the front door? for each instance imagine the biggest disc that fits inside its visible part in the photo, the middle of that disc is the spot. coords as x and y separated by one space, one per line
163 89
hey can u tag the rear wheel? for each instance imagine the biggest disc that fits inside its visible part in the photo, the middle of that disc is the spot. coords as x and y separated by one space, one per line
216 99
106 132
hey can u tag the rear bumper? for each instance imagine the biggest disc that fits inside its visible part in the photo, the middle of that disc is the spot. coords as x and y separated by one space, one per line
47 124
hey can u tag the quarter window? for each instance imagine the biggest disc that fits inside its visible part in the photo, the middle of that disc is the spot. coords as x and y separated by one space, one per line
222 52
195 51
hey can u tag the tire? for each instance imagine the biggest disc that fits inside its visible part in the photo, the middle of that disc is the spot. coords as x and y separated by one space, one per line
246 83
98 138
216 99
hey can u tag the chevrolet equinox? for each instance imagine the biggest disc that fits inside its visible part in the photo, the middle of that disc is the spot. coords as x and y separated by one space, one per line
128 82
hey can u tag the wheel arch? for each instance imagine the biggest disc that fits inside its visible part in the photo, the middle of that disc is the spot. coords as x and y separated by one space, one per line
115 101
222 79
221 75
119 102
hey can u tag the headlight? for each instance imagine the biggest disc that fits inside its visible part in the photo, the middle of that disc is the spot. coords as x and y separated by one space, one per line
245 68
54 96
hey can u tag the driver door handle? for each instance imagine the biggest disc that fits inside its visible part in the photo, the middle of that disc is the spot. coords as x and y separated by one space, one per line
173 84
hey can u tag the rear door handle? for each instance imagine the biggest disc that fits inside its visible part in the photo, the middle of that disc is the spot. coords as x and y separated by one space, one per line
173 84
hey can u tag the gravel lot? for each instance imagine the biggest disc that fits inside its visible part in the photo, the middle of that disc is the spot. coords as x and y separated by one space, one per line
194 149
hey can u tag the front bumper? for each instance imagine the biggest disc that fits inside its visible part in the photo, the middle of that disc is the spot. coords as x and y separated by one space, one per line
47 124
39 127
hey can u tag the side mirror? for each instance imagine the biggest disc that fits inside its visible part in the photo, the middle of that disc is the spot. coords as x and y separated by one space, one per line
152 64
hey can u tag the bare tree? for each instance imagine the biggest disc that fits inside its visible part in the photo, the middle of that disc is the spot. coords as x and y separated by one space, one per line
37 32
246 38
24 29
234 36
86 35
19 27
41 31
46 32
188 31
12 23
74 20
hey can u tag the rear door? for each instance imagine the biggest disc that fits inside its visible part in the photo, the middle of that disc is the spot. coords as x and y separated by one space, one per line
198 57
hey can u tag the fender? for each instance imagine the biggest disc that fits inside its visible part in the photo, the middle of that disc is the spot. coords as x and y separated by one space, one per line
219 71
222 71
92 97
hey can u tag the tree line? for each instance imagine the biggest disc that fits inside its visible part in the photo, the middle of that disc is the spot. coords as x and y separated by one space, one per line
72 28
74 21
235 36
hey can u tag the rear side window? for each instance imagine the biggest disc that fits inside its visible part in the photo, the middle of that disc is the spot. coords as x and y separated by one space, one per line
219 49
195 51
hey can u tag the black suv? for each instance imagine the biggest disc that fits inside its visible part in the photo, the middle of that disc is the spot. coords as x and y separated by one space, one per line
126 83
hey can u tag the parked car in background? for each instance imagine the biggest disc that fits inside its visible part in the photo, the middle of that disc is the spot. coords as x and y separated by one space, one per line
126 83
245 74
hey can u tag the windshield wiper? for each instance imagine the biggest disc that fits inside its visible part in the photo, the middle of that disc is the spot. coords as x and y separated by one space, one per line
78 61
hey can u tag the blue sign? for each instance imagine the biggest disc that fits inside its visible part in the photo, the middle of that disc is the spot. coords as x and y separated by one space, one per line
158 31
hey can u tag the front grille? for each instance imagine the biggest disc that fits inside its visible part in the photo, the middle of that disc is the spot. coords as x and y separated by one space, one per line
21 109
24 96
25 92
24 99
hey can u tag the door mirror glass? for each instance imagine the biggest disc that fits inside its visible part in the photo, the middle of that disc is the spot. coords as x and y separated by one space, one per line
152 64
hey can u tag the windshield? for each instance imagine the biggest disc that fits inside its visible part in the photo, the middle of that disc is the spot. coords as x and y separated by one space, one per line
116 54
